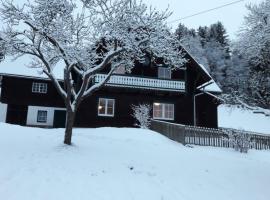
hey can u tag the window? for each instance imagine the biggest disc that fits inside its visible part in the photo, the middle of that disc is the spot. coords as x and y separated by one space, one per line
120 70
164 72
39 87
106 107
42 116
163 111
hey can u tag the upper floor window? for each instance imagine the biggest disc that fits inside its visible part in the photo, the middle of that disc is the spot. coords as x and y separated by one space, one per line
106 107
42 116
164 72
120 70
163 111
39 87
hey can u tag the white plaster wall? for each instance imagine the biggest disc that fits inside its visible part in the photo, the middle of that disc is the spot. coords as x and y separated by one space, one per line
32 115
3 112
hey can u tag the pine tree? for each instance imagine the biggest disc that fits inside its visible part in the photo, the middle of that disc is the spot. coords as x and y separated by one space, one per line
203 34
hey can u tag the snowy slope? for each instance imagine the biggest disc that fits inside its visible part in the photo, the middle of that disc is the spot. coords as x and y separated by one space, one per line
124 164
238 118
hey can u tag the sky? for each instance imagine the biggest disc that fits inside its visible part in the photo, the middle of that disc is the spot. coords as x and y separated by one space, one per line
232 16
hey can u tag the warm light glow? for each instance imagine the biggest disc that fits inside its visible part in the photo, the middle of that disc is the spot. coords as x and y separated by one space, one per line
100 107
157 104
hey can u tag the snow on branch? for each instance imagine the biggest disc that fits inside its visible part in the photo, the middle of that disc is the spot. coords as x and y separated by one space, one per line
141 113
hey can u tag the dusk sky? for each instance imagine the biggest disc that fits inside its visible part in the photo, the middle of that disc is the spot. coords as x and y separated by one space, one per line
231 16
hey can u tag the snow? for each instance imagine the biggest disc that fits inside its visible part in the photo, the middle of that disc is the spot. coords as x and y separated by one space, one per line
124 164
20 67
3 112
210 86
239 118
213 87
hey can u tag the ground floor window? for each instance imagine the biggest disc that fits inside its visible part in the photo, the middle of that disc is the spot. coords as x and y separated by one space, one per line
106 107
163 111
42 116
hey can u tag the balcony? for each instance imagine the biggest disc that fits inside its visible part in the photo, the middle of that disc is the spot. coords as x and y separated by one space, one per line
141 82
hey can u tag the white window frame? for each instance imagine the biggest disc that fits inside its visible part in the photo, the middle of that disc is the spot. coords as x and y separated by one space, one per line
44 118
39 87
164 72
106 107
163 105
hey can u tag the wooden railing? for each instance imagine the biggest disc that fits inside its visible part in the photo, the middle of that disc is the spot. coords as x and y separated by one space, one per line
141 82
207 136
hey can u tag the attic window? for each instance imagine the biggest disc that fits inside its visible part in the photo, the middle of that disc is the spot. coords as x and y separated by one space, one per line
164 72
39 88
120 70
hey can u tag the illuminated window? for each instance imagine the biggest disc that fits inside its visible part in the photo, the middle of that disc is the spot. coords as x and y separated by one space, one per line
106 107
39 88
164 72
163 111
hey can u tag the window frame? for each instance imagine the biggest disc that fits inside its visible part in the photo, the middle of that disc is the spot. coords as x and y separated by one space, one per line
106 107
45 116
162 72
39 87
163 111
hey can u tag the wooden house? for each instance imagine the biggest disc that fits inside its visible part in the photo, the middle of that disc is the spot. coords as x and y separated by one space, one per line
184 96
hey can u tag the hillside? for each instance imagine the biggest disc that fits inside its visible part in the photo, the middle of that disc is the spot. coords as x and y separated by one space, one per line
238 118
124 164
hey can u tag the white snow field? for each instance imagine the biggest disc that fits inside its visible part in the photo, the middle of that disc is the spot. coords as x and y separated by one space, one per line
124 164
243 119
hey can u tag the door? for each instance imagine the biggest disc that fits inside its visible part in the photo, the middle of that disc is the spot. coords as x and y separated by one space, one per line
16 114
59 120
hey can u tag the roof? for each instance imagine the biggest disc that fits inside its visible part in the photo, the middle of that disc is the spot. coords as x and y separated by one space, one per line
199 67
20 67
210 86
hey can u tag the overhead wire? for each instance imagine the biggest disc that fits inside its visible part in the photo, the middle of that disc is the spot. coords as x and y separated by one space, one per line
206 11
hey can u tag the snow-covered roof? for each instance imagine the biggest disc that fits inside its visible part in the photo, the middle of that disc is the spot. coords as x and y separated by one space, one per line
20 67
210 86
205 70
213 87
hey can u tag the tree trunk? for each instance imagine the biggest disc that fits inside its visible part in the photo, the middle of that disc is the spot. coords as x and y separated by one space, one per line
70 118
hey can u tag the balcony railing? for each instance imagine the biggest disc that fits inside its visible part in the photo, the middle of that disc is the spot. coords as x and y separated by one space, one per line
140 82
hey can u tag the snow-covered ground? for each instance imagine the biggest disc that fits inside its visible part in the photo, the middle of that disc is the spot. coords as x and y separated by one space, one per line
124 164
238 118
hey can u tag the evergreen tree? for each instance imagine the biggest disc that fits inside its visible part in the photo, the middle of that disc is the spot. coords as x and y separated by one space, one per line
219 34
203 34
181 31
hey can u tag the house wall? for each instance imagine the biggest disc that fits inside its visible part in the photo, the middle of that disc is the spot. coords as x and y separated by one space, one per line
206 111
18 91
152 71
16 114
32 115
88 111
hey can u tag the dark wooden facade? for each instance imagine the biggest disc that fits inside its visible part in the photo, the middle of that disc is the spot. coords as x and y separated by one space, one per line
17 93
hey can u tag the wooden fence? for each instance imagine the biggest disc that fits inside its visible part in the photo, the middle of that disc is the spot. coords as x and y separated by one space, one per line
207 136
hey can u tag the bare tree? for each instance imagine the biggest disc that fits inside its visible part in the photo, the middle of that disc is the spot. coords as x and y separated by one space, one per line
87 37
142 115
